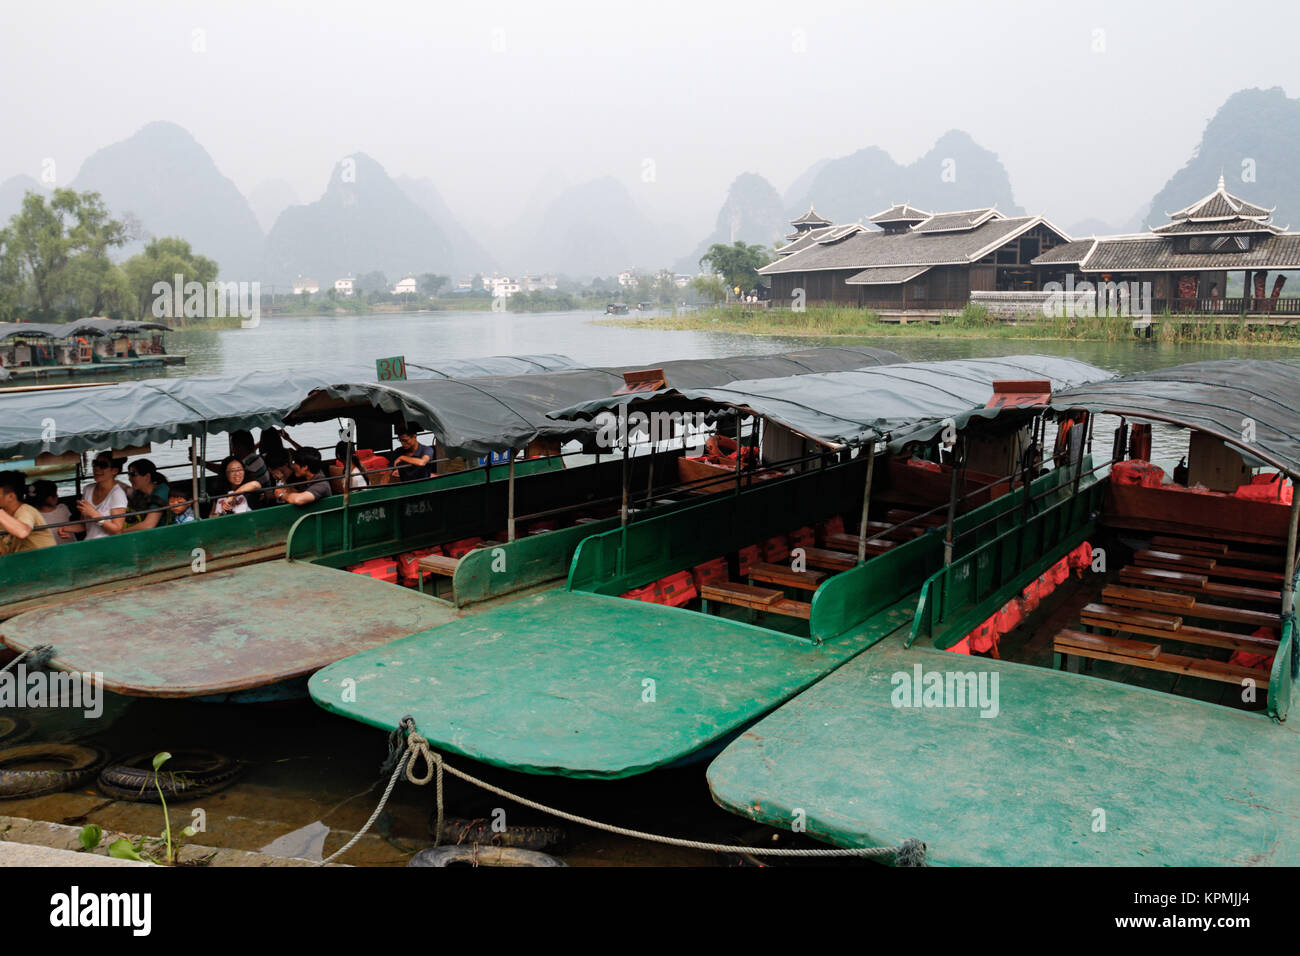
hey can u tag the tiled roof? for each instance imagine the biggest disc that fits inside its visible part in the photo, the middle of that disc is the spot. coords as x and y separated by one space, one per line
1067 252
866 250
1220 204
810 218
1156 254
802 240
901 212
886 275
1185 227
957 221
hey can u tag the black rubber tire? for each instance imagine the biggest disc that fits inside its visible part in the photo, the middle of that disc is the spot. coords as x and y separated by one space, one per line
459 831
80 763
188 775
13 729
474 855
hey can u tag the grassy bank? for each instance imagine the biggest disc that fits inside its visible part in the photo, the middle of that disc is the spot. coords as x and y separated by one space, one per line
973 322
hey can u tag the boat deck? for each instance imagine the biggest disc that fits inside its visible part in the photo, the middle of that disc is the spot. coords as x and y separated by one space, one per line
585 685
1076 769
224 631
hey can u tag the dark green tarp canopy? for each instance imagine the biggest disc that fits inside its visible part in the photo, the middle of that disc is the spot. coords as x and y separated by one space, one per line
64 330
906 402
497 413
134 413
1251 404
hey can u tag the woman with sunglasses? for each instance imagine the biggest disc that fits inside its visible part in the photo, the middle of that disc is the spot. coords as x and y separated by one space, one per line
106 498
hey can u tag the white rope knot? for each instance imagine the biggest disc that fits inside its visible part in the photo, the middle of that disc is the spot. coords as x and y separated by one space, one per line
420 749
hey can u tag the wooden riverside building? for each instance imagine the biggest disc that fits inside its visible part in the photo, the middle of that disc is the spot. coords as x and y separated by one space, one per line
932 262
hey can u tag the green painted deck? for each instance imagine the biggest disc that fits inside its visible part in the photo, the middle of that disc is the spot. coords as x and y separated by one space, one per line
555 683
224 630
1181 782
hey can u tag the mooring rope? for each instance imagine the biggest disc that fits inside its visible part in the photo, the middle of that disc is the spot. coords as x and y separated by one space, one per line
41 655
909 853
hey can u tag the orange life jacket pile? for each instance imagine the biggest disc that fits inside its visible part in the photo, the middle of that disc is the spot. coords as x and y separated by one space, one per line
675 590
984 639
1267 487
1136 472
1251 659
381 569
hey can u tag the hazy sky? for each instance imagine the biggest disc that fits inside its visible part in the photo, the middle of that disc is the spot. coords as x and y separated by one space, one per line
1091 106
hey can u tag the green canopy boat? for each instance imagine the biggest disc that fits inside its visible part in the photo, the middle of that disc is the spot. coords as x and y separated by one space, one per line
1125 739
583 682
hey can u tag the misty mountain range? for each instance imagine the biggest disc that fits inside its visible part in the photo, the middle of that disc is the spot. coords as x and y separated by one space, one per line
369 220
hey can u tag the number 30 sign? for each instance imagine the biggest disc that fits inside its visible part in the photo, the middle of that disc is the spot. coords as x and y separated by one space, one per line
391 369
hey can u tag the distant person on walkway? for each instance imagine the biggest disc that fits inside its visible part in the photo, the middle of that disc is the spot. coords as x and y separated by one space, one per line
416 461
148 491
106 499
310 482
45 499
238 489
21 526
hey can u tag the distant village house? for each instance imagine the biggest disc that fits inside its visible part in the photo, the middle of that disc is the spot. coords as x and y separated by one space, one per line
407 286
303 286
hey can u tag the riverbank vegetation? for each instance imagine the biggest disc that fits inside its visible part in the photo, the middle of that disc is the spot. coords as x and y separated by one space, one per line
973 322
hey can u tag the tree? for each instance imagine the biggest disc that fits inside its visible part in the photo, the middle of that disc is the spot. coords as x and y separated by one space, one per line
713 288
161 261
738 263
430 285
58 251
371 282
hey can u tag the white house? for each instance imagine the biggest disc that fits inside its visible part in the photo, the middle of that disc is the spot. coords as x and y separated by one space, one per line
344 286
405 287
301 285
627 278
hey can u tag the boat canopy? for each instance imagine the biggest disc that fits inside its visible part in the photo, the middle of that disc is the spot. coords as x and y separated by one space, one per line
501 412
902 403
134 413
1251 404
67 330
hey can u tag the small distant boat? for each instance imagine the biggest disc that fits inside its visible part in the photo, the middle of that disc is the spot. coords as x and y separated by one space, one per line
616 308
644 306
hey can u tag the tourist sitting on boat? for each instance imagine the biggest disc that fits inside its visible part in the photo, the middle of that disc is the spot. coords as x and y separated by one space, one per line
238 488
416 461
272 441
148 494
305 469
343 451
103 504
182 511
21 526
244 448
44 498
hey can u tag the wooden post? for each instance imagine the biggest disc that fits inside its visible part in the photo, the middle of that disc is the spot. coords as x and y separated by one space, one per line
1288 584
510 499
347 497
738 455
203 461
870 448
623 508
952 506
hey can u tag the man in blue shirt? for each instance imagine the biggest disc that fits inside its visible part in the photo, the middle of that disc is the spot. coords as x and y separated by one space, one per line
416 462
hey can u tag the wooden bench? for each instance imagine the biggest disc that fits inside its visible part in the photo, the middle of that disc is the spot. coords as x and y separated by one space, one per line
1171 628
1199 584
1215 549
437 566
830 560
1188 604
1070 643
1203 564
783 576
754 598
899 515
849 543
